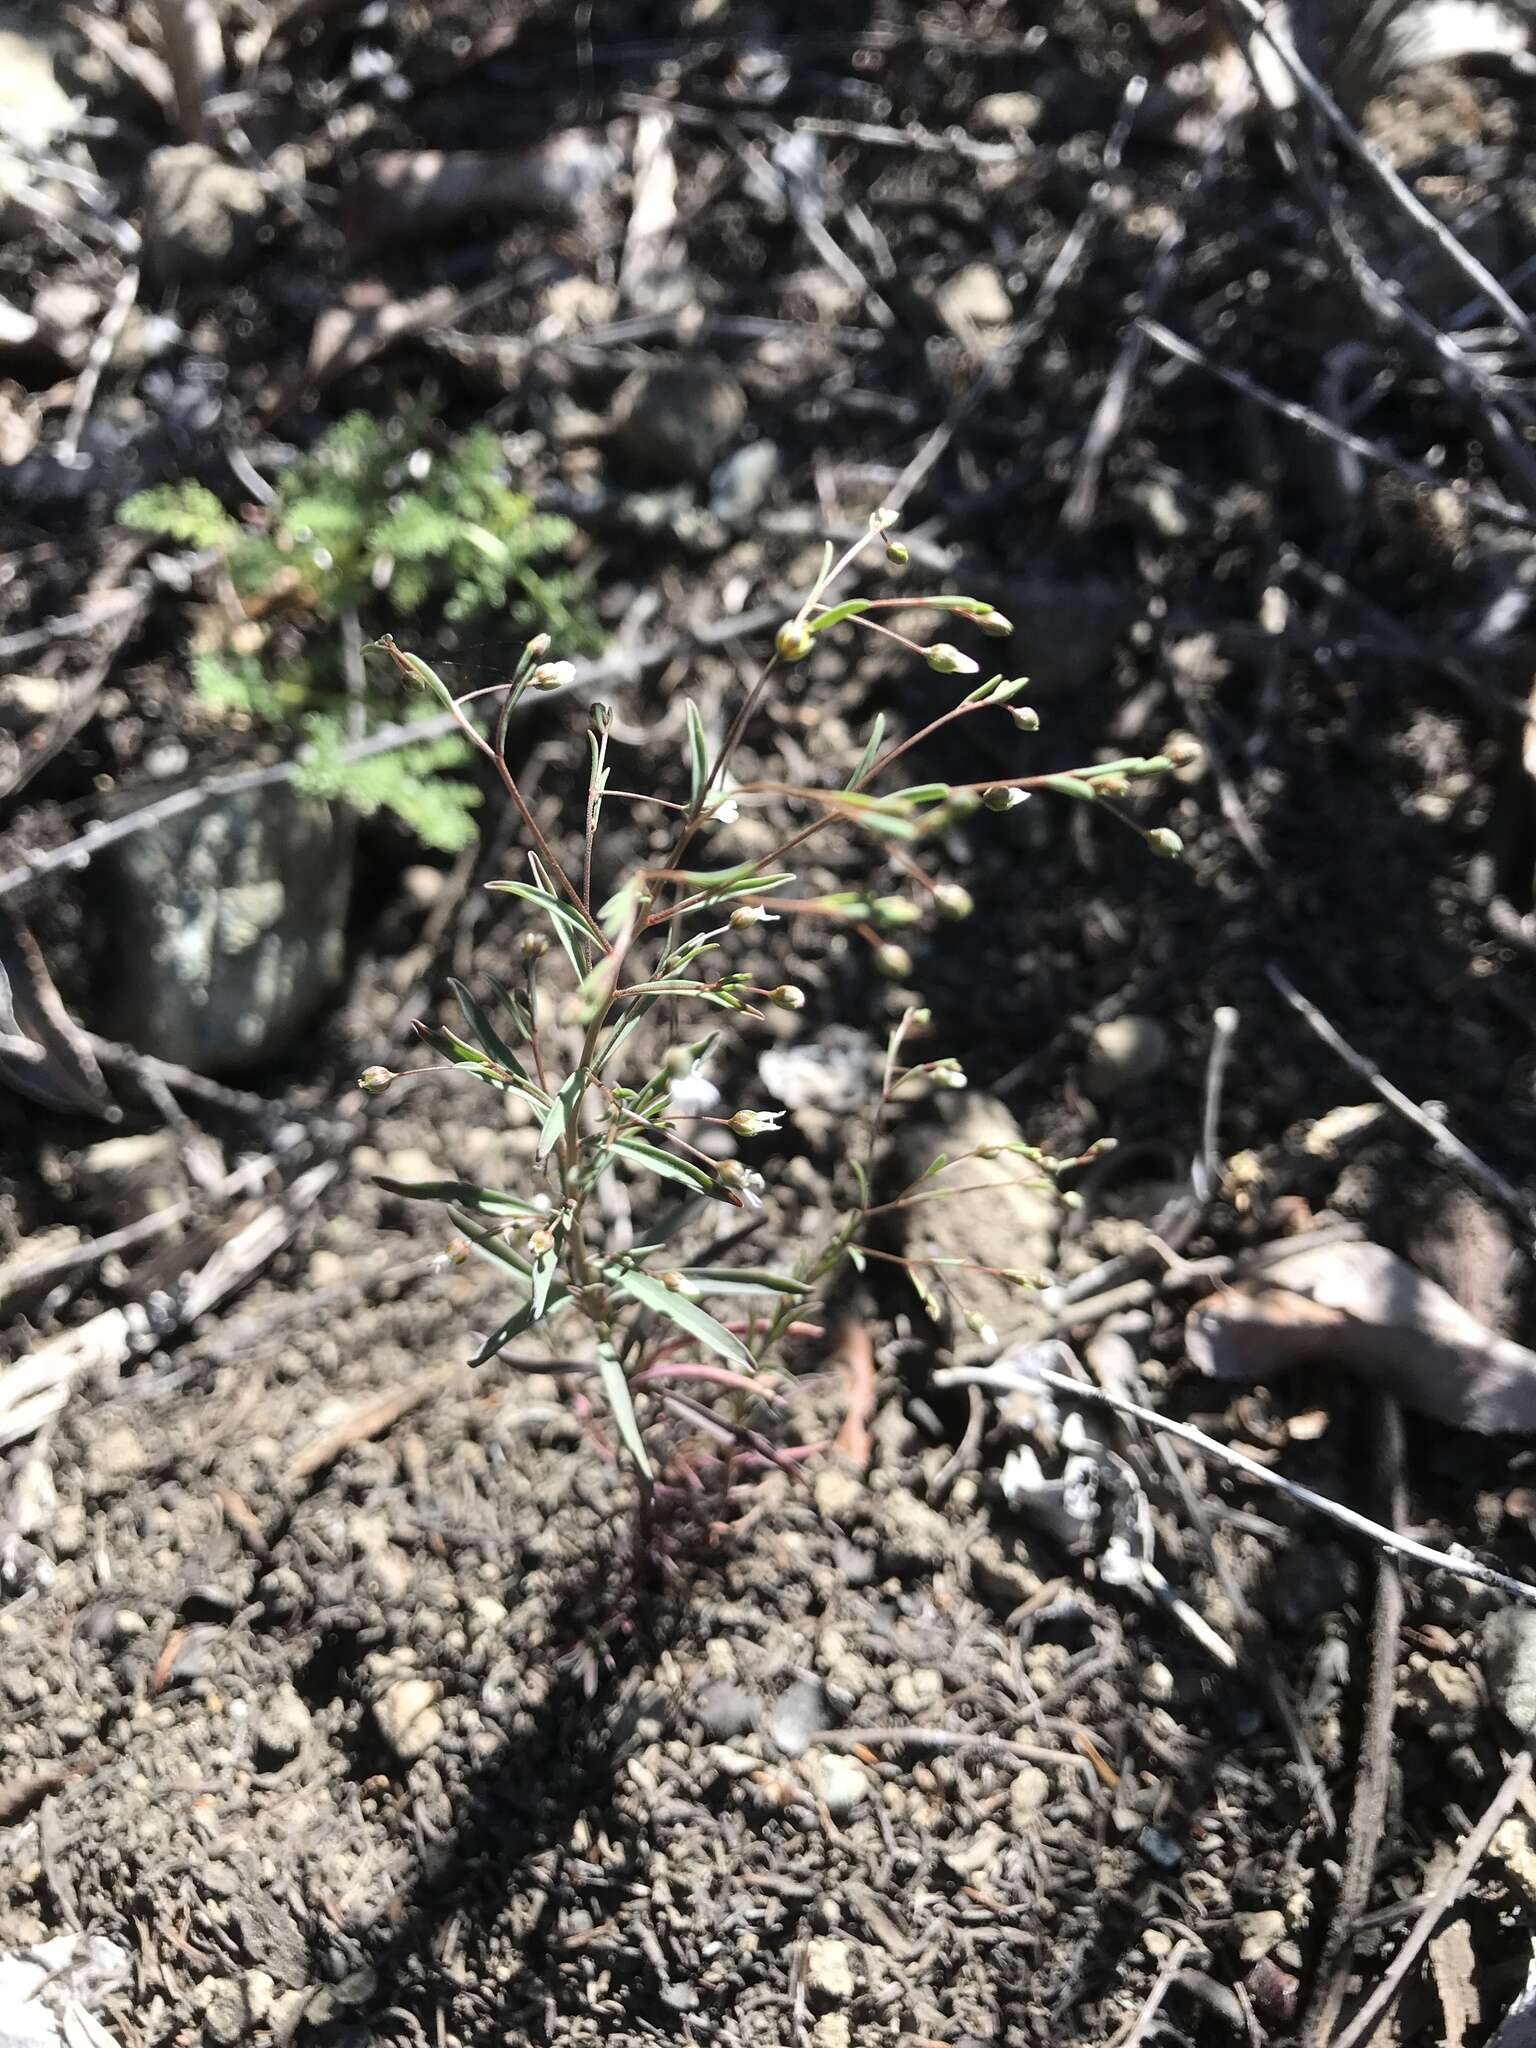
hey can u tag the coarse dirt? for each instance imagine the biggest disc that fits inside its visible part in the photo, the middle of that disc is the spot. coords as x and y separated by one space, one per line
362 1723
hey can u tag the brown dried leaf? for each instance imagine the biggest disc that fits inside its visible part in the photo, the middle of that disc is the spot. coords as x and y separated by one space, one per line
367 321
1362 1307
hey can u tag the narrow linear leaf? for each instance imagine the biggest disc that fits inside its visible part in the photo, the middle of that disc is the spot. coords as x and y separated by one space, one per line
518 1324
622 1402
698 756
742 1280
560 1112
490 1040
835 614
871 751
481 1201
665 1165
698 1322
568 922
545 1266
1069 785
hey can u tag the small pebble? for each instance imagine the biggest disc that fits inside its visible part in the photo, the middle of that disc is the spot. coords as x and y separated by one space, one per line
839 1782
1259 1934
724 1709
799 1716
1509 1665
407 1717
828 1975
283 1728
1123 1052
1027 1794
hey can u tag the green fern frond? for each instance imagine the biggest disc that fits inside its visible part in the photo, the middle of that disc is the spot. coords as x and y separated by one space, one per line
186 511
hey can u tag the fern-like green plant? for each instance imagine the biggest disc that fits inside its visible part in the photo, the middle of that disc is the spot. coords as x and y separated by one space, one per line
372 522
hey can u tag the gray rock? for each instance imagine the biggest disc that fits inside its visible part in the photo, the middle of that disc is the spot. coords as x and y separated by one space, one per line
1122 1053
975 297
799 1716
1509 1666
999 113
283 1729
406 1716
201 214
234 2007
913 1538
839 1782
677 422
231 927
741 483
725 1709
828 1975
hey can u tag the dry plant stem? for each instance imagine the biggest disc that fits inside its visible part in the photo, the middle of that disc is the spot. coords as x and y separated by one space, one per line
952 1739
1145 2020
1009 1378
1402 194
1206 1169
194 51
102 344
78 853
1365 2022
1373 1775
1318 423
1444 1140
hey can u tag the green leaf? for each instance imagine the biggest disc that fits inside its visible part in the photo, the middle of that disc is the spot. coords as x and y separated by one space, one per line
482 1201
492 1043
560 1112
568 922
835 615
742 1280
698 756
665 1165
184 511
871 749
622 1402
698 1322
518 1324
1069 785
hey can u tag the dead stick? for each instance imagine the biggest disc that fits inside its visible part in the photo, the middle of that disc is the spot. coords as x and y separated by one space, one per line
1439 1903
1011 1377
1439 1133
369 1419
1373 1776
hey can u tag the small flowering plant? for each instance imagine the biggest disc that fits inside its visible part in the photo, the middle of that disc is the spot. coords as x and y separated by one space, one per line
668 1352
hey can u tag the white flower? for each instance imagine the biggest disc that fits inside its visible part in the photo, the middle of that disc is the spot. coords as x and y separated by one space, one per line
726 812
692 1094
743 1183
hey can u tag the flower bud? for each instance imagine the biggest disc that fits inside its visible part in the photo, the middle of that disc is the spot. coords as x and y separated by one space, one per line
894 911
457 1250
1165 844
553 675
949 661
374 1080
886 517
1110 785
978 1326
897 553
895 961
953 901
948 1074
1004 799
535 945
537 647
1025 717
994 625
794 640
677 1283
787 997
755 1123
541 1241
745 915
